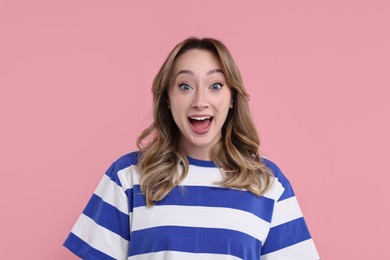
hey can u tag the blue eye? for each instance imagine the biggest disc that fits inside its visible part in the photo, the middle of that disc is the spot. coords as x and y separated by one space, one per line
184 87
216 86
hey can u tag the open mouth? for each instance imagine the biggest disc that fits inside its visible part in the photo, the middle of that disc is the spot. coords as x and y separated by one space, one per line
200 124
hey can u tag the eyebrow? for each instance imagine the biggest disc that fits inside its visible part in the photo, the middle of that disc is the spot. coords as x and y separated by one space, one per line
185 72
192 74
214 71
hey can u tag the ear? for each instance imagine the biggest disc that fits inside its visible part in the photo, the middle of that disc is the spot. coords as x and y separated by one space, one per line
231 103
168 105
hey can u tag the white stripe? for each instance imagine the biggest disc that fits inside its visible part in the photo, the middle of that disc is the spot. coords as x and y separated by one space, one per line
196 216
100 238
275 191
197 176
203 176
129 176
175 255
285 211
113 194
305 250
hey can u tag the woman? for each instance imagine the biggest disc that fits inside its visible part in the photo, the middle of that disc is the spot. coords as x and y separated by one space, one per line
198 188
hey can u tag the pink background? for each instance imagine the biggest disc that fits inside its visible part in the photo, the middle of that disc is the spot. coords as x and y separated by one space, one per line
75 82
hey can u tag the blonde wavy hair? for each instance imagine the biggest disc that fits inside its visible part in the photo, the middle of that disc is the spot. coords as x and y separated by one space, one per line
237 153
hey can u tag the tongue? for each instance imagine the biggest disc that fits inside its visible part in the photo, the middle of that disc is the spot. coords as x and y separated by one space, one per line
200 124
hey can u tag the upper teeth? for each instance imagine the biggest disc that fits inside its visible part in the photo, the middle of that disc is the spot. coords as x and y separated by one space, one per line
200 118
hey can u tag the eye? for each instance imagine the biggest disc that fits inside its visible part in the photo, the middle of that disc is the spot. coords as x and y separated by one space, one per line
184 87
216 86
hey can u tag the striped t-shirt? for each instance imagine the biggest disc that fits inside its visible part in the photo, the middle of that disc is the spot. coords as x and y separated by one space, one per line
197 220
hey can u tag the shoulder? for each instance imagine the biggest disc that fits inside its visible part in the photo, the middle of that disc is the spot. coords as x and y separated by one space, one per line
280 178
275 169
127 160
122 163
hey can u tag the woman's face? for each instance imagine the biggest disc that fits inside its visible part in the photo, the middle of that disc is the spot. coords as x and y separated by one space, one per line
199 100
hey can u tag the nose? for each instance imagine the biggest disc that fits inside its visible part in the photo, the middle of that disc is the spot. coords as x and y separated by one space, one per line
200 99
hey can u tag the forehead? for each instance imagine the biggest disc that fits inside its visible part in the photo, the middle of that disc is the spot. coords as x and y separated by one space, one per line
197 61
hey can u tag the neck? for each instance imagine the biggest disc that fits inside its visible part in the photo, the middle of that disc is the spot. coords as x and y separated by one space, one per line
196 152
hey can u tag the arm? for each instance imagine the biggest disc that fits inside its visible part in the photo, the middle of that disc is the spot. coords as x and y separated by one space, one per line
103 229
289 237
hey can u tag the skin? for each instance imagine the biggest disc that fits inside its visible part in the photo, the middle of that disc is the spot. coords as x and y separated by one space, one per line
199 100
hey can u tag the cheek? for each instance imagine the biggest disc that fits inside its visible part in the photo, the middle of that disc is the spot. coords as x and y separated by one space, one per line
175 106
224 104
179 104
178 110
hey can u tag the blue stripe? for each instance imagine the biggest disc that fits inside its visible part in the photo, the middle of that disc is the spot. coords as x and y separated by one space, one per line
130 199
262 207
286 235
84 250
108 216
288 191
202 163
112 174
127 160
194 240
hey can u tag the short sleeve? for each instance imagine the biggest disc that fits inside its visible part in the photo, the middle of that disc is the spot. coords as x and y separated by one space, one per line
103 229
289 237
